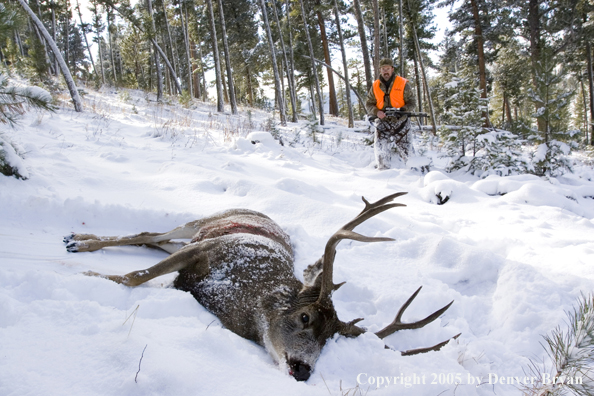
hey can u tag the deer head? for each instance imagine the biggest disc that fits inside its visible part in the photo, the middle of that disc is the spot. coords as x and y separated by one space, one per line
300 321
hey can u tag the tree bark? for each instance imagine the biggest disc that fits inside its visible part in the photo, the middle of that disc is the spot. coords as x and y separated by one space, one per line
401 34
113 68
376 37
52 6
535 46
197 91
85 36
332 101
227 60
291 55
313 63
591 86
480 40
157 63
347 84
215 52
63 67
184 22
429 100
287 66
363 39
277 85
174 64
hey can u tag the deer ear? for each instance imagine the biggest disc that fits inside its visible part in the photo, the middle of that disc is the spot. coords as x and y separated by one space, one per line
311 275
351 329
280 299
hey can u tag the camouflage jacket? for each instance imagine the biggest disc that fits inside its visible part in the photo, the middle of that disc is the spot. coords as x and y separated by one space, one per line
409 98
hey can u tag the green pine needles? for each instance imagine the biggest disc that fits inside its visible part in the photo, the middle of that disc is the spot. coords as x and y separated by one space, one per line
572 356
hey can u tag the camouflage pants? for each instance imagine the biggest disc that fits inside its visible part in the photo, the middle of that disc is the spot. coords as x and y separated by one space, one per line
392 139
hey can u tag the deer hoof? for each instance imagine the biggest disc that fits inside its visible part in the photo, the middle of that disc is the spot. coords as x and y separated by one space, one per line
72 247
69 237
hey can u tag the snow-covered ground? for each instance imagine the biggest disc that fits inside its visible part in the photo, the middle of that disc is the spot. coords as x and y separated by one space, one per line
513 253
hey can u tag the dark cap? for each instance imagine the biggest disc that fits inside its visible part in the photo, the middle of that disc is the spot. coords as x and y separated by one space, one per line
386 62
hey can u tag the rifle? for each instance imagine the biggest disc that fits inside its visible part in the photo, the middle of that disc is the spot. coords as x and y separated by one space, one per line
391 112
394 112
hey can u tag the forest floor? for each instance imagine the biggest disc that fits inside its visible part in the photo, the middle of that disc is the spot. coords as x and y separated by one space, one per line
514 253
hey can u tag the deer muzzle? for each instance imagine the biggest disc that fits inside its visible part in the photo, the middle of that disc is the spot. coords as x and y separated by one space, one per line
299 370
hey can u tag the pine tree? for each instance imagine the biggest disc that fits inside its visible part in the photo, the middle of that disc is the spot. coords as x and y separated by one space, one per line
551 101
13 103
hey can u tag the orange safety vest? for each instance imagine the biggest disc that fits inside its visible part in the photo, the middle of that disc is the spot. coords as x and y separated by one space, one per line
396 94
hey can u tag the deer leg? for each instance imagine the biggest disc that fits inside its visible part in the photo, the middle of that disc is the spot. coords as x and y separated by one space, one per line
90 243
190 255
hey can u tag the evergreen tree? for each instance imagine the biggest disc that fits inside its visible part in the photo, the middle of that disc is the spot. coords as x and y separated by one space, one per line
463 107
551 101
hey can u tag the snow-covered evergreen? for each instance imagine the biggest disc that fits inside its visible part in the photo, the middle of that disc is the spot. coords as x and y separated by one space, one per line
467 142
551 102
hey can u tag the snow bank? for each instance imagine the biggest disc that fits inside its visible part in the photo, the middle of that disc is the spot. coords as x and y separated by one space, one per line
513 253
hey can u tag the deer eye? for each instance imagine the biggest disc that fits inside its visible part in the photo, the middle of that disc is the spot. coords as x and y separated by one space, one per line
305 318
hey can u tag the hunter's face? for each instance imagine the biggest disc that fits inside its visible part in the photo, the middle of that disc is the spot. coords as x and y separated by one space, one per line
386 71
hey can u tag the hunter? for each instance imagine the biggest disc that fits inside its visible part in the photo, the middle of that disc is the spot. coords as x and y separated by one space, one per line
392 133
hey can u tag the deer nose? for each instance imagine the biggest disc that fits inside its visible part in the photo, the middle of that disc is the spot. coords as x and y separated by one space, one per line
301 371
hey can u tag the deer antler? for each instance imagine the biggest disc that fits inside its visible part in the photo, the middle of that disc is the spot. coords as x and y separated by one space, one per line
346 232
351 329
397 323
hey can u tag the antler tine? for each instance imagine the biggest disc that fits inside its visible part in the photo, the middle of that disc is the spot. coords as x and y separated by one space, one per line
345 232
435 347
382 201
372 209
397 324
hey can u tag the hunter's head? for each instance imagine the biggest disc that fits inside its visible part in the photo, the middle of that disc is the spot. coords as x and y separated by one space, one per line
386 68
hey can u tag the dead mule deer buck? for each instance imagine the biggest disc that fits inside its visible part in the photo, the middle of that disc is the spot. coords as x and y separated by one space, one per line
239 266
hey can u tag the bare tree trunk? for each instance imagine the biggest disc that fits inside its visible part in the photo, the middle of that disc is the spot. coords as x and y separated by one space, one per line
401 49
113 68
478 31
591 86
508 110
96 23
204 92
291 57
187 47
215 52
197 92
157 63
66 39
227 60
363 39
313 100
332 102
535 45
277 85
85 36
171 47
385 34
65 71
347 84
376 37
249 85
54 29
429 100
313 64
287 67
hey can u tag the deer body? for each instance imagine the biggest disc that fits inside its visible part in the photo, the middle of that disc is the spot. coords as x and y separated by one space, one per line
239 265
